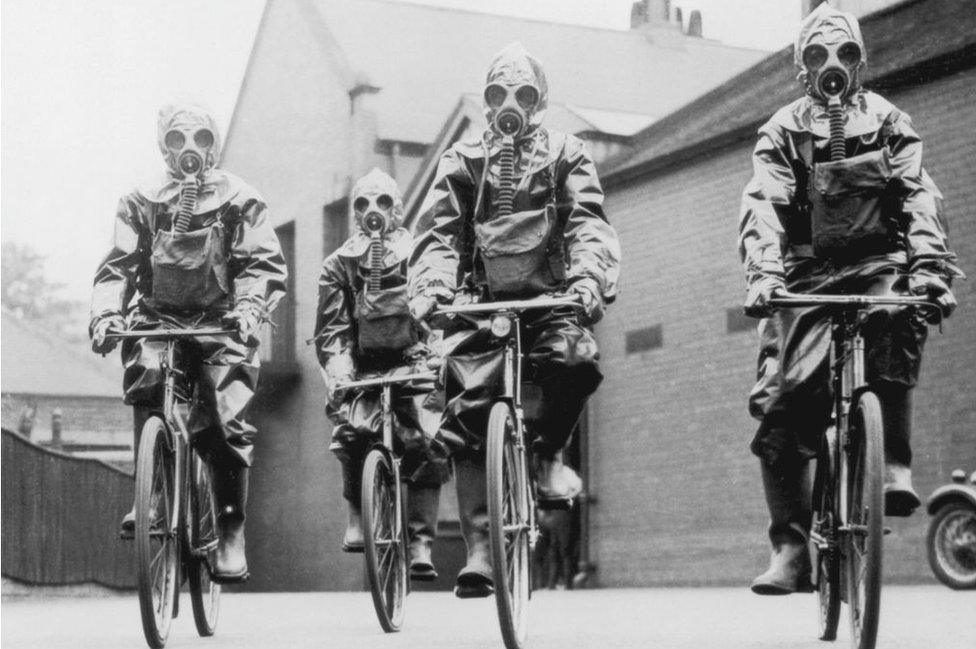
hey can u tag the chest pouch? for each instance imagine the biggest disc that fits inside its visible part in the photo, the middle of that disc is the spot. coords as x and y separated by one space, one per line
384 321
514 251
189 269
847 198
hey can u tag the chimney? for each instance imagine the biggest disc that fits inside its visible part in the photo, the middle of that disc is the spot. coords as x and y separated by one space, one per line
649 12
695 24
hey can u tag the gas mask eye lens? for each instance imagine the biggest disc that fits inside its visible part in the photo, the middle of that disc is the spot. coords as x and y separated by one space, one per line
527 96
360 204
203 138
495 95
174 140
849 54
814 56
384 202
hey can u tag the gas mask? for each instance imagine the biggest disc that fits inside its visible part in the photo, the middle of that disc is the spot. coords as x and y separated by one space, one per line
189 144
378 210
830 53
516 96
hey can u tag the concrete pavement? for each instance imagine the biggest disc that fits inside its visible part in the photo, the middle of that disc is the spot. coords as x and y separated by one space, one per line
913 617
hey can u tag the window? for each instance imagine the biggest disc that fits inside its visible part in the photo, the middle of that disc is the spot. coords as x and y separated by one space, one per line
736 320
278 342
641 340
335 225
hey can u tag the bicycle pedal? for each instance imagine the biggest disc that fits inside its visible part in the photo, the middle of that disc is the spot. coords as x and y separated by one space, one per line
555 504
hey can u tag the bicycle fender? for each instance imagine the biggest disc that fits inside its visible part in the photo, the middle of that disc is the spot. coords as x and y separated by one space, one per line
948 493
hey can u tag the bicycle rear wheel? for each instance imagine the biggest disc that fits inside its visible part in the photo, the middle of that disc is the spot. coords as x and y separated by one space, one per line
823 545
204 593
157 547
384 532
509 527
865 498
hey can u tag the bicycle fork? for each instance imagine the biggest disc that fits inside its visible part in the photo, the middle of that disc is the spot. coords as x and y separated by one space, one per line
386 405
852 381
512 391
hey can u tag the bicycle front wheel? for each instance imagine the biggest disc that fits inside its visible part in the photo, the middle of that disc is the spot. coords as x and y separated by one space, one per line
865 518
823 542
157 546
509 526
204 593
384 534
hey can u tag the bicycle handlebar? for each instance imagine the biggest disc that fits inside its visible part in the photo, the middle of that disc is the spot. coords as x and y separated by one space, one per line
168 333
385 380
510 305
786 299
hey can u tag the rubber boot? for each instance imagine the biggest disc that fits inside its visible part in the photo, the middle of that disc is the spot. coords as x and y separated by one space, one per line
127 529
352 539
788 498
556 484
475 578
422 506
900 496
230 491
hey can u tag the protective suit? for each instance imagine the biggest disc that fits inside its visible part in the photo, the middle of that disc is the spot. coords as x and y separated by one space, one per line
515 214
364 330
196 249
838 203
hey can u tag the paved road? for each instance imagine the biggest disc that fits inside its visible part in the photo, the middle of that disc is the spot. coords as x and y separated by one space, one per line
917 617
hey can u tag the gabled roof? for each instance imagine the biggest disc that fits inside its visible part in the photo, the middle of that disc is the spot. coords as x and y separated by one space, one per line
423 57
36 362
908 43
467 117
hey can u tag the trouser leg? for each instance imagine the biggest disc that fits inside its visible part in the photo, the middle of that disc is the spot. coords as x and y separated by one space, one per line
139 416
475 578
423 502
787 488
230 482
901 499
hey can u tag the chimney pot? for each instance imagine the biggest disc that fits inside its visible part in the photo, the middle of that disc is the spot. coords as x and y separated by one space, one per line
695 24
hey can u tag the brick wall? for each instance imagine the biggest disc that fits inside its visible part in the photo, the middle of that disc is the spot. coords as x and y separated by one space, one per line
679 496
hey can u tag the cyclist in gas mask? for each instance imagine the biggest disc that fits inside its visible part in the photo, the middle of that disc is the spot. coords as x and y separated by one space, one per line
517 213
839 203
364 330
196 249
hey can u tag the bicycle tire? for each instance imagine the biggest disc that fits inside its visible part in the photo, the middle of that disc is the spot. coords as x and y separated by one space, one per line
508 516
953 560
383 532
826 562
202 513
864 544
156 569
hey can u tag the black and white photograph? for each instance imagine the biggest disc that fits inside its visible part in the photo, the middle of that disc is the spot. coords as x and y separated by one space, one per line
473 324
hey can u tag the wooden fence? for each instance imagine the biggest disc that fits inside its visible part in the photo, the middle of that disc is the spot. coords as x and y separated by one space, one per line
61 517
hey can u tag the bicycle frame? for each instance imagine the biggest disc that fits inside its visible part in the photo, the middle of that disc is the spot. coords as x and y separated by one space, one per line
178 435
511 390
847 374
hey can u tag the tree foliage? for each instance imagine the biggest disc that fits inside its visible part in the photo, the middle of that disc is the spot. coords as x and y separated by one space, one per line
29 295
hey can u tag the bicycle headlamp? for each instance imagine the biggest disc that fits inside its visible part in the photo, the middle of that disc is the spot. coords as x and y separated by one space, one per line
501 325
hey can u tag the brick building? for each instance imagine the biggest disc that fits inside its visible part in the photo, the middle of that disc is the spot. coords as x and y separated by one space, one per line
335 87
679 495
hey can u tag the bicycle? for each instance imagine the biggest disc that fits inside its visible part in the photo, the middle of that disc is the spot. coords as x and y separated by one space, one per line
384 517
176 516
512 519
847 529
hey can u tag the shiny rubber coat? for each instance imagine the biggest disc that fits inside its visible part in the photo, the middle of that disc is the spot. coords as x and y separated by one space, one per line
791 397
256 274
